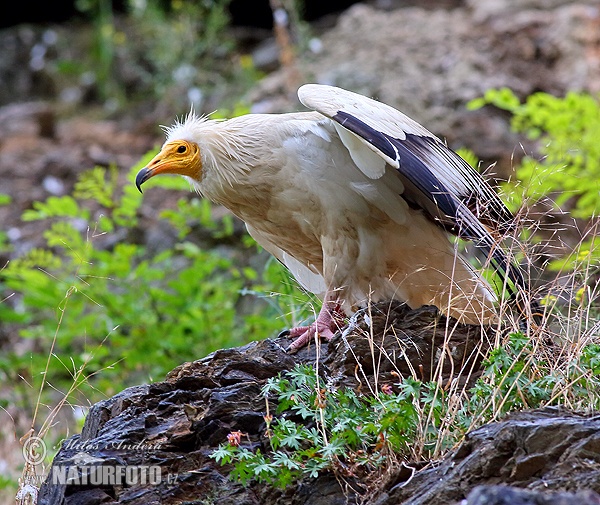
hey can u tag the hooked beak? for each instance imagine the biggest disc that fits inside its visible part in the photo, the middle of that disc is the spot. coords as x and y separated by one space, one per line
179 157
143 175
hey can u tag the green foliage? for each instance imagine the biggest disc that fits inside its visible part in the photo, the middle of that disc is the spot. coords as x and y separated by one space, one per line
519 375
568 130
323 429
568 171
103 46
181 36
179 50
469 156
4 200
8 484
94 298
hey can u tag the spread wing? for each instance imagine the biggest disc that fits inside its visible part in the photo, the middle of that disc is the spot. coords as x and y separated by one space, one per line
435 178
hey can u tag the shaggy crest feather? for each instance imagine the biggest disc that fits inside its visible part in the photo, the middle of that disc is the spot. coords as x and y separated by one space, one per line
225 149
184 125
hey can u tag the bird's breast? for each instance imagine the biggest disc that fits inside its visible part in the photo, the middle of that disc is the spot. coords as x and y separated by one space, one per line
304 189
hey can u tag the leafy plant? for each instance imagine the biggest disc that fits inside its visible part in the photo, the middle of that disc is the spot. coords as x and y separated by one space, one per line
568 130
567 171
320 428
107 299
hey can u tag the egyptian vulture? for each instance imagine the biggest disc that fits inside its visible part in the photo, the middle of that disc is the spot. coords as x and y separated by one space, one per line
356 199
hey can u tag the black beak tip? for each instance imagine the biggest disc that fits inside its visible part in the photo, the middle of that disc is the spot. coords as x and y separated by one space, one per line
141 177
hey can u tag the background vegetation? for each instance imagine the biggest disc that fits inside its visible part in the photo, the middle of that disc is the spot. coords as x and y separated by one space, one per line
100 311
104 314
155 53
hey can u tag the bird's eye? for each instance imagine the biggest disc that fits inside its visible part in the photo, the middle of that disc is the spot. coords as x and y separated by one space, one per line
181 149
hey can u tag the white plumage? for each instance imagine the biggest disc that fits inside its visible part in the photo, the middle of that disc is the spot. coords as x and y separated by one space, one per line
355 198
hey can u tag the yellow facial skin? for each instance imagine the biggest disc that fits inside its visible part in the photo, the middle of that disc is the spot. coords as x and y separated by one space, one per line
178 157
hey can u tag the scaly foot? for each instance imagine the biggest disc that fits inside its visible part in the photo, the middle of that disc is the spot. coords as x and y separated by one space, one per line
328 321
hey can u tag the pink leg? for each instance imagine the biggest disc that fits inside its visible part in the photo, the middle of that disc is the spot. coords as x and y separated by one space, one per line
327 323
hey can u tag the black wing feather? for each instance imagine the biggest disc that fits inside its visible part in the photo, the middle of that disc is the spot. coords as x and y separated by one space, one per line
458 214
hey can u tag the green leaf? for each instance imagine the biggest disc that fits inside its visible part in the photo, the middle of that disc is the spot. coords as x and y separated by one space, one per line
55 206
97 184
223 454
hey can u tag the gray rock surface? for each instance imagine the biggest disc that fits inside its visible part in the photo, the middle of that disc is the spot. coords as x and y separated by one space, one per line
546 452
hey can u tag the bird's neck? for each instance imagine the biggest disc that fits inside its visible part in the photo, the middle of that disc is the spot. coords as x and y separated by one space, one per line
229 152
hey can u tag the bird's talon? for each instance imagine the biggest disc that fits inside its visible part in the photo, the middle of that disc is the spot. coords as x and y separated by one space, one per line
290 349
283 333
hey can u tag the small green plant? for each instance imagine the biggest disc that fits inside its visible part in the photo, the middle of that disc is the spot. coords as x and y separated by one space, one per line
320 428
567 170
524 373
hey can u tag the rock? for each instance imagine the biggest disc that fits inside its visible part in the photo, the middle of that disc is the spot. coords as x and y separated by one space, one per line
402 343
505 495
545 451
20 116
22 64
175 425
